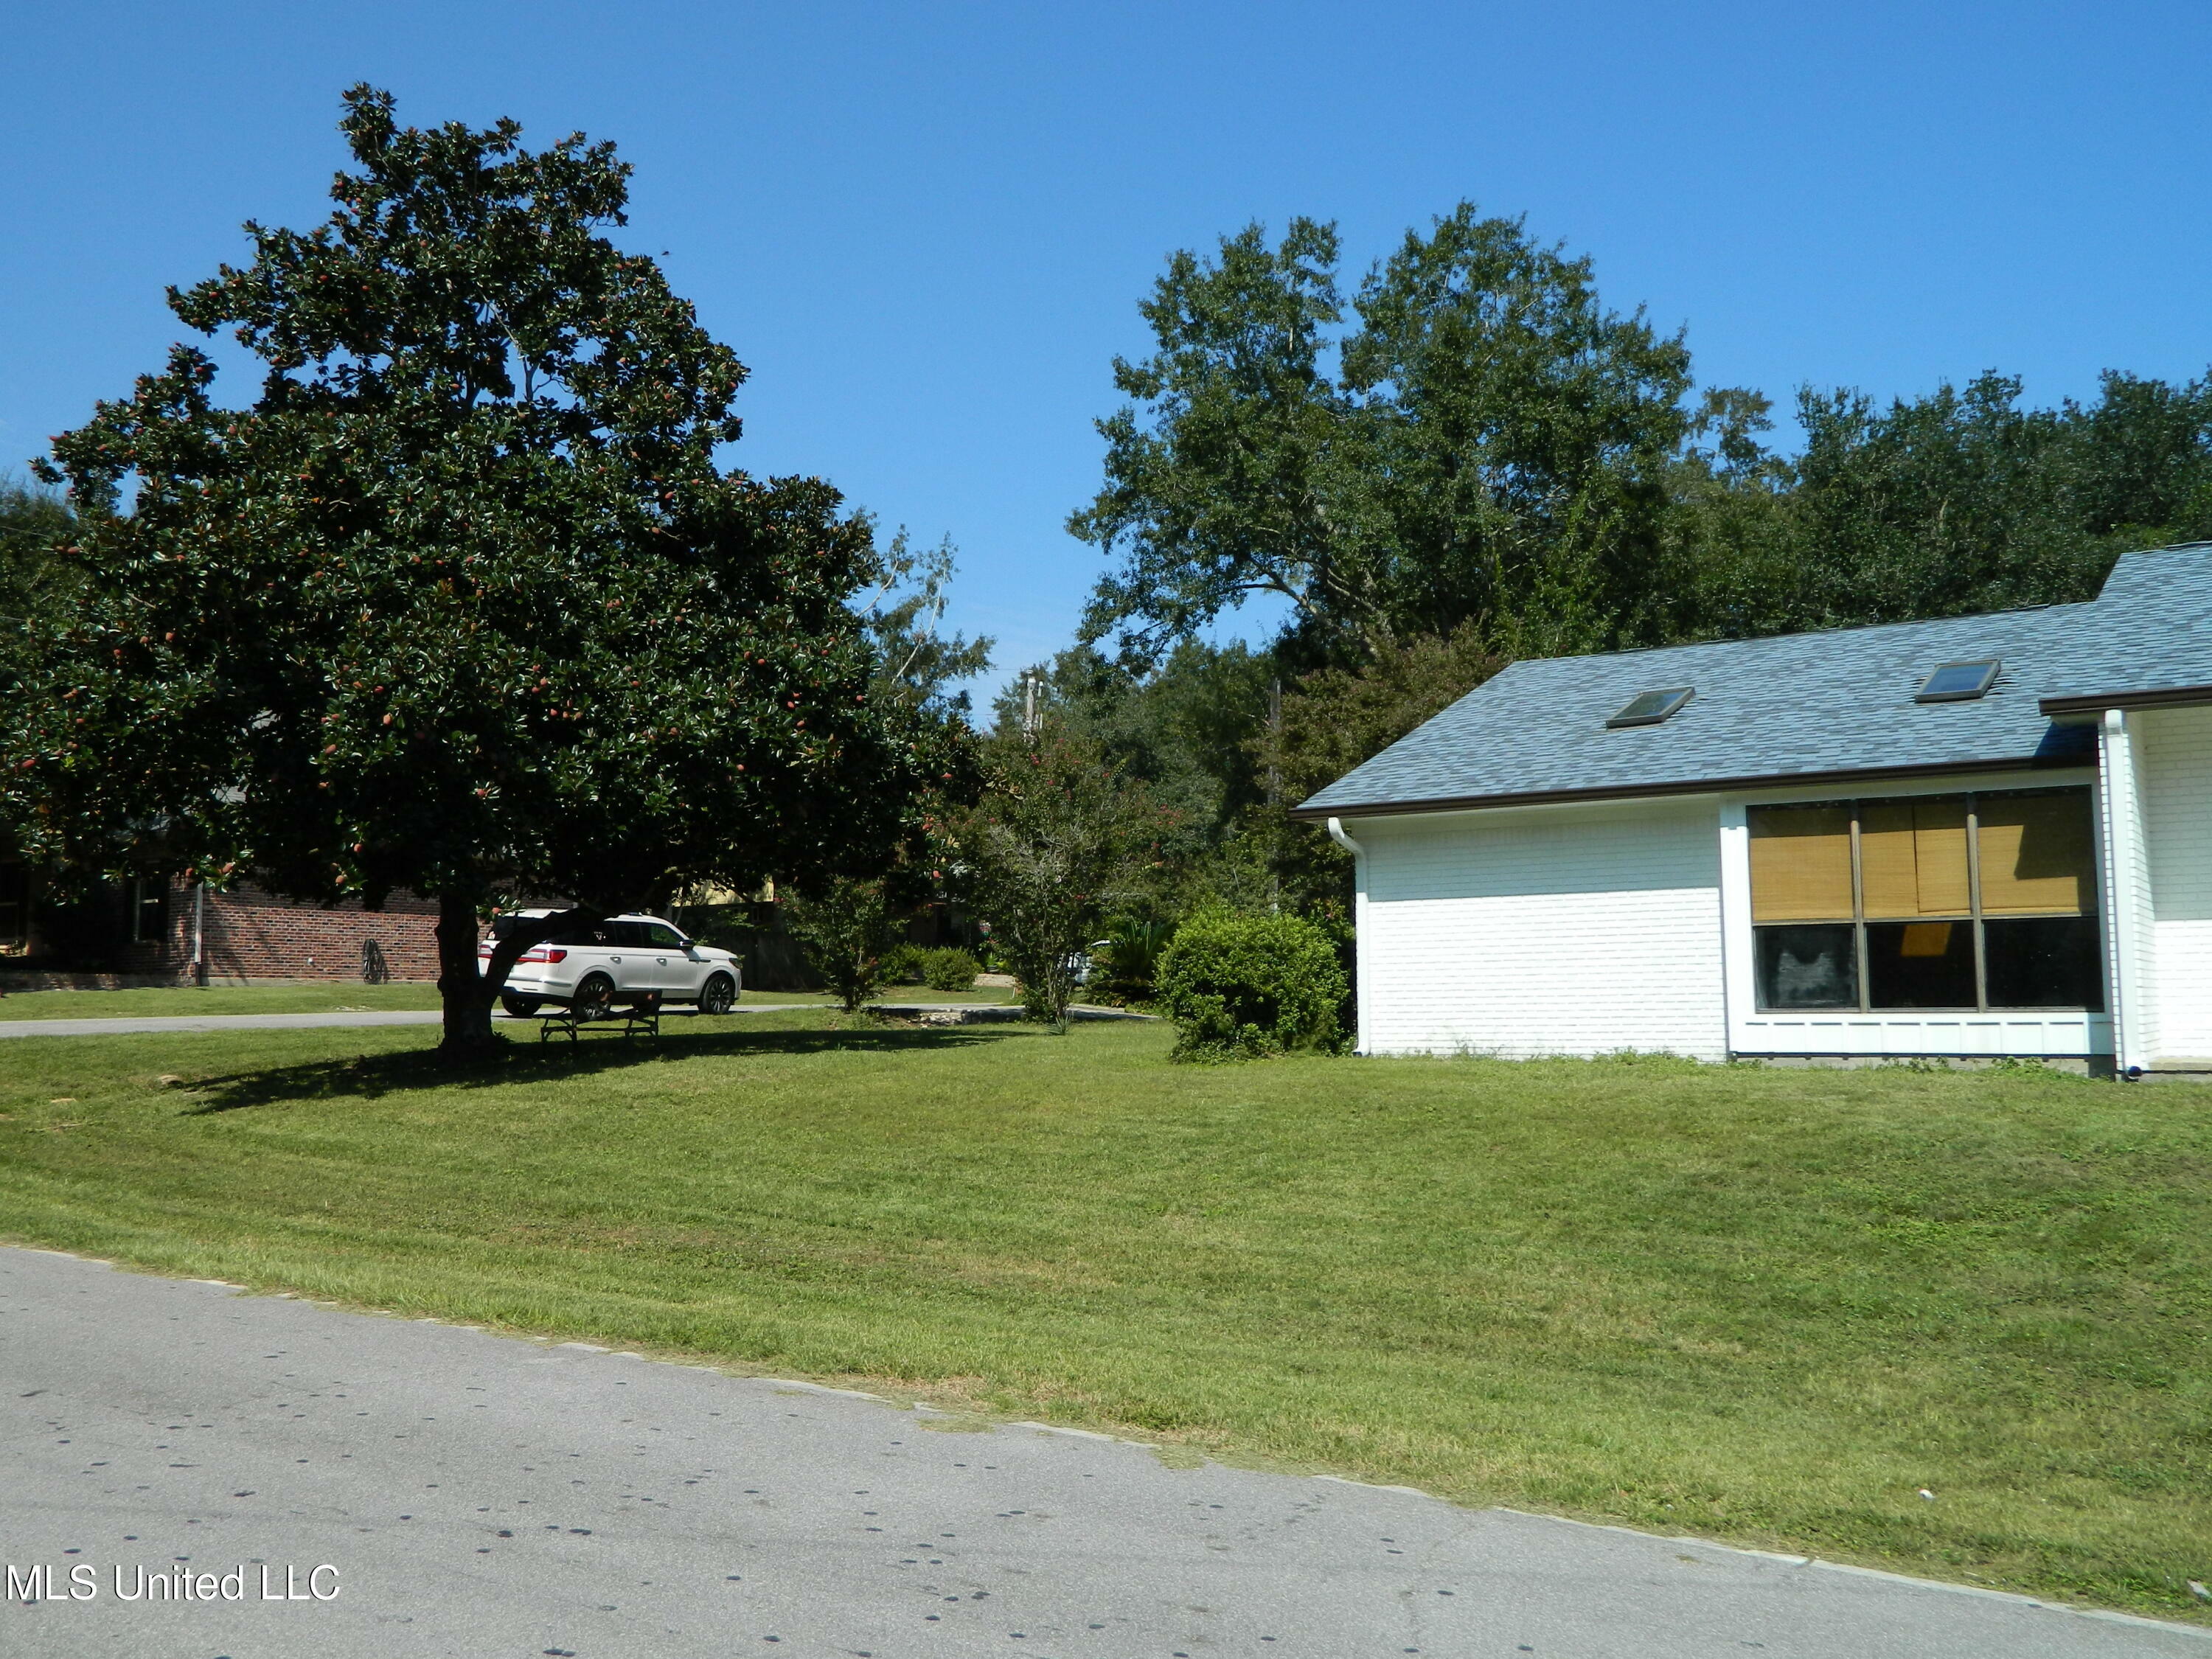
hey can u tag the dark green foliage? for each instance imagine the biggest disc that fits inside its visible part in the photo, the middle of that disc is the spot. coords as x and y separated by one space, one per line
1216 491
949 969
1241 987
1956 502
1476 460
1497 449
33 576
1056 843
902 964
1181 727
847 929
461 603
1332 721
1124 970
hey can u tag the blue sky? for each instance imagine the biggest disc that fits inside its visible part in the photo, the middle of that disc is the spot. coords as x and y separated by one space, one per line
925 229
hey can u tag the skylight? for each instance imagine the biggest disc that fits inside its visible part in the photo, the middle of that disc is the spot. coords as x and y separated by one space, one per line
1650 708
1958 682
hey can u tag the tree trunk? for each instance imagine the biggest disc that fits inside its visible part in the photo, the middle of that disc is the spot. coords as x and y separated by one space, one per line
466 994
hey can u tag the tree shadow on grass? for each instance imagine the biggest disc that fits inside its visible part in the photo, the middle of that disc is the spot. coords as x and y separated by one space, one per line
375 1076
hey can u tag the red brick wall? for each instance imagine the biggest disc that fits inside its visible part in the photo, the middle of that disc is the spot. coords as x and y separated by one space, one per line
250 934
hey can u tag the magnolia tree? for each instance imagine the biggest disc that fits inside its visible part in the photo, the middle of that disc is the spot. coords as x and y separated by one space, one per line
461 602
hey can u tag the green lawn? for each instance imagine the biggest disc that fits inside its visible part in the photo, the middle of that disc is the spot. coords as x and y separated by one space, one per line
166 1000
1764 1306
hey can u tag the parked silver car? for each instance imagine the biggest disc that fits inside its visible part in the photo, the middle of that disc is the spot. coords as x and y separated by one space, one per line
591 966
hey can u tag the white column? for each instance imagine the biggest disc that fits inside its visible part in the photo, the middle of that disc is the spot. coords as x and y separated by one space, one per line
1360 956
1739 978
2126 901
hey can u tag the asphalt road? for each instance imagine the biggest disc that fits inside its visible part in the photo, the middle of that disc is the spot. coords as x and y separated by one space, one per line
460 1493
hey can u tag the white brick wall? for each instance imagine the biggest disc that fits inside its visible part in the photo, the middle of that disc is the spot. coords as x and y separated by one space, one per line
1558 930
2174 766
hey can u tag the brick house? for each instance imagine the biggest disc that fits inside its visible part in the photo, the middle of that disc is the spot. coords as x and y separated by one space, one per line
162 931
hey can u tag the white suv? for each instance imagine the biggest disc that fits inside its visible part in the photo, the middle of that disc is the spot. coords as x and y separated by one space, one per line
591 966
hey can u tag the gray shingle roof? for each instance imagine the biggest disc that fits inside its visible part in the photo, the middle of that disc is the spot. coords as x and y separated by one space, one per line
1803 705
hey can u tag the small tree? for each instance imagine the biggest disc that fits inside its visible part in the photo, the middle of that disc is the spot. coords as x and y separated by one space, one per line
847 929
461 603
1055 841
1239 987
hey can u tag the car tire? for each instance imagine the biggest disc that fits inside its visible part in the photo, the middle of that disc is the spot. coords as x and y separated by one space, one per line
594 998
520 1007
718 995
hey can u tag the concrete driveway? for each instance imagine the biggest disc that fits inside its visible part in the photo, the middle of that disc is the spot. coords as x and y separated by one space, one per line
446 1491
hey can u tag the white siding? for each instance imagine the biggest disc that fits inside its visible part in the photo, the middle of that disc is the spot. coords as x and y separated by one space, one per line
2175 783
1543 931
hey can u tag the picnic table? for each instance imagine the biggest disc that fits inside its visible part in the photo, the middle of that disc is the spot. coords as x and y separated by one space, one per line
642 1018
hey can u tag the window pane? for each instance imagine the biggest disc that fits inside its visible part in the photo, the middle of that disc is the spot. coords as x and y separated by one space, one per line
1920 964
1801 863
2051 962
2037 852
663 938
1808 967
1913 856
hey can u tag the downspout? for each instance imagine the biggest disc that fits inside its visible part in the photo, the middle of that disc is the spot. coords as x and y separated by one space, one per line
199 933
1358 928
2123 831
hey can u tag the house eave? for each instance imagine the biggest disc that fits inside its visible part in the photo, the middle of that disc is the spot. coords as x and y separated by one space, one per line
2089 706
1312 814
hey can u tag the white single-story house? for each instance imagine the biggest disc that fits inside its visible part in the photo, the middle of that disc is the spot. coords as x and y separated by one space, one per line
1979 837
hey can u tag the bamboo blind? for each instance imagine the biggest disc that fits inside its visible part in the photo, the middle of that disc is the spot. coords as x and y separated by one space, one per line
1801 863
1912 857
2037 853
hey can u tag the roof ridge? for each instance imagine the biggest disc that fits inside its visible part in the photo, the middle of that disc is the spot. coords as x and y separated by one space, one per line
1815 633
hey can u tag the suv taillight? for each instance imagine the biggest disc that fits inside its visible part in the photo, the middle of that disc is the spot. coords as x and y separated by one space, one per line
556 956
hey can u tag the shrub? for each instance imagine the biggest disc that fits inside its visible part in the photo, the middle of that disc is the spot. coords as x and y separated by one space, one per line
845 928
1123 971
904 963
949 969
1238 987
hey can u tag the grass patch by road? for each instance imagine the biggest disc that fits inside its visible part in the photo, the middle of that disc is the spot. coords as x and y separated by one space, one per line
165 1001
168 1001
1764 1306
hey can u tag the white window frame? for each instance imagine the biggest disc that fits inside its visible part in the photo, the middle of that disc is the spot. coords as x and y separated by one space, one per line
1900 1032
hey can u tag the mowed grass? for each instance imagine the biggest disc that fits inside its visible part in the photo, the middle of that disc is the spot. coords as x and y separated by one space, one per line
172 1001
166 1001
1763 1305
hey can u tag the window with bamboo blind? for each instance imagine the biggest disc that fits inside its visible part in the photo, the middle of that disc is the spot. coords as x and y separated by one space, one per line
2037 854
1980 901
1801 862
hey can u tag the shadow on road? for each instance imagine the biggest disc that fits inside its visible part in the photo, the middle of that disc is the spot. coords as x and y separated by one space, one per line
375 1076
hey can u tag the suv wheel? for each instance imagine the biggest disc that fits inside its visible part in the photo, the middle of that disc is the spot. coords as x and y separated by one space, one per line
718 995
520 1007
594 998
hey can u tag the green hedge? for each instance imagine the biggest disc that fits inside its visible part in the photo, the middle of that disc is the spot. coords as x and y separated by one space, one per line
949 969
1239 987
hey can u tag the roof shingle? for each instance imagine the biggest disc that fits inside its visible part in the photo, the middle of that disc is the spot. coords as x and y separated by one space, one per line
1803 705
